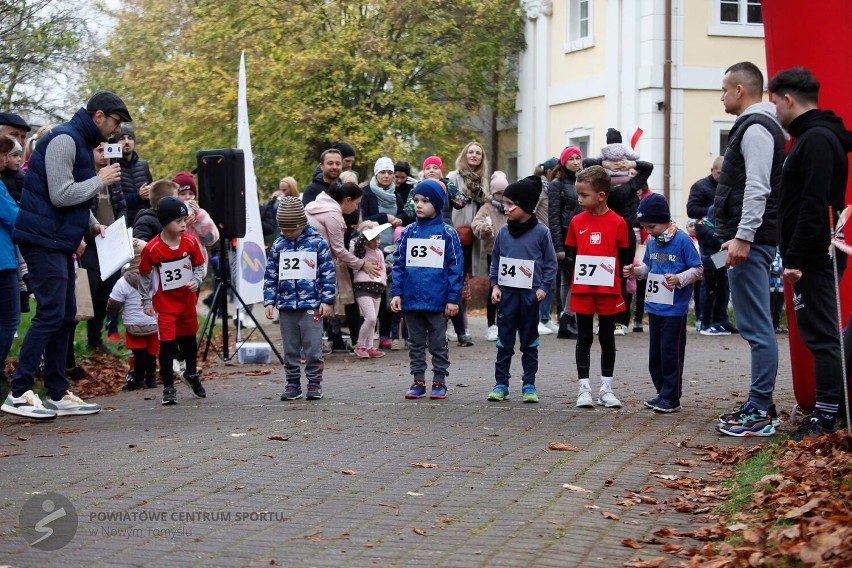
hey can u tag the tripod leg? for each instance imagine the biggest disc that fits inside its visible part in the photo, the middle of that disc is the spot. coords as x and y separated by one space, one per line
210 320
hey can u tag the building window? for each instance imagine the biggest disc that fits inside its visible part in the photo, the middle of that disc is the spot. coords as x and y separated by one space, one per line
580 137
579 22
740 18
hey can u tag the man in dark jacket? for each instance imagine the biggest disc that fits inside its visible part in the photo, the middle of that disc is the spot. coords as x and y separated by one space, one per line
331 164
813 179
135 175
703 192
746 211
53 218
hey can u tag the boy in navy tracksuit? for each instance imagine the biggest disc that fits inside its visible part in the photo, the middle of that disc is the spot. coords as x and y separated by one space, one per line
671 265
523 271
428 273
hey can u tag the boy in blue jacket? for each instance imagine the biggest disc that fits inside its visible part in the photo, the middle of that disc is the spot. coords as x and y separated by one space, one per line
300 283
523 271
428 273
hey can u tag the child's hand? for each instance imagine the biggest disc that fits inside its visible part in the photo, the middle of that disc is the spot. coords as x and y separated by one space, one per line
268 310
193 285
540 294
451 310
495 295
672 279
150 312
396 304
324 310
627 271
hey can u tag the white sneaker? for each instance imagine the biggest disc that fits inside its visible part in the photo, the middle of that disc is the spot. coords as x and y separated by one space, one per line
584 399
71 404
451 336
27 405
619 329
491 333
543 329
552 326
606 398
246 321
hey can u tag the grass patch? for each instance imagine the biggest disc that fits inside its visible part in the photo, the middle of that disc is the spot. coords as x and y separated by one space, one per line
746 478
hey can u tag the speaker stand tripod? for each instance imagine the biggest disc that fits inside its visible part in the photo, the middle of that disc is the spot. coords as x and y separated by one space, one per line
219 305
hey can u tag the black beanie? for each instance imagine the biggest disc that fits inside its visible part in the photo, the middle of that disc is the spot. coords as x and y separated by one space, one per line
654 209
613 136
525 193
170 208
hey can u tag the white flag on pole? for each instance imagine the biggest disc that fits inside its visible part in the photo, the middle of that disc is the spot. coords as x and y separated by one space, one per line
251 257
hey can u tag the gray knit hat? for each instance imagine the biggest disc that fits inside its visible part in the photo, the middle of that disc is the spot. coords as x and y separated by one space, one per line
291 214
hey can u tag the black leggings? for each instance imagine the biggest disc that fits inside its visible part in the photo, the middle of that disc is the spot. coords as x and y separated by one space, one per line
168 352
144 364
585 338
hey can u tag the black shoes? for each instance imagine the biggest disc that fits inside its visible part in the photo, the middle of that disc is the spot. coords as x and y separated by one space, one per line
195 383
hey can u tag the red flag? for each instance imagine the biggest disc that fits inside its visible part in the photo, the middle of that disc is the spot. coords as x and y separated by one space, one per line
635 138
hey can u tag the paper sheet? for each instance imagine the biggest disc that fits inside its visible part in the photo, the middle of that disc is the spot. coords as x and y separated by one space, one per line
116 249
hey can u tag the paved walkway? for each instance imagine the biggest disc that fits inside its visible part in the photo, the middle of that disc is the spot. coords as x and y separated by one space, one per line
206 483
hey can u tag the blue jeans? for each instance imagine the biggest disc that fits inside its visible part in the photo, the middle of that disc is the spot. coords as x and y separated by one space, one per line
52 282
544 307
10 311
749 285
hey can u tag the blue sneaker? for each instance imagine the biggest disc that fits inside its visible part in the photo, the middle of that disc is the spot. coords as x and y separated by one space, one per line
292 391
498 393
652 402
417 390
728 417
529 393
666 405
439 390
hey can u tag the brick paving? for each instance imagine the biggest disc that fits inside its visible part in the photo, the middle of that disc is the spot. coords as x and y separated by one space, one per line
495 499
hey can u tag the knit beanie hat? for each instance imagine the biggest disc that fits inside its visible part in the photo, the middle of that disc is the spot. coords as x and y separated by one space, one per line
402 166
383 164
549 164
498 182
433 191
525 193
185 182
433 160
171 208
568 152
613 136
346 150
160 189
125 131
654 209
291 214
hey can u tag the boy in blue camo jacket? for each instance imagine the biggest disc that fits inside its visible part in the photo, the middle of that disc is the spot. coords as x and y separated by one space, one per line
300 283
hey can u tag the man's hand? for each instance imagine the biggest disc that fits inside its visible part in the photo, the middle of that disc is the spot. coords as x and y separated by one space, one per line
738 251
395 221
451 309
269 311
324 310
396 304
98 229
110 174
496 295
792 275
144 190
81 248
540 294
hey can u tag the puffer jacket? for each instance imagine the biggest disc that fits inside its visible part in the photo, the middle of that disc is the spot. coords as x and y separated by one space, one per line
8 214
147 225
561 208
134 174
300 294
429 289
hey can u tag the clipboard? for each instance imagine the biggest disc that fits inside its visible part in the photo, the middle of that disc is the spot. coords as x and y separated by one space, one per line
116 249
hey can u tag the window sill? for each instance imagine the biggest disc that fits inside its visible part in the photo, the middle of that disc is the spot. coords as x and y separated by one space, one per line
735 30
578 45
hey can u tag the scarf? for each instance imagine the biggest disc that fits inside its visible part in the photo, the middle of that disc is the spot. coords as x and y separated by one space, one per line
474 186
386 197
516 228
498 205
666 236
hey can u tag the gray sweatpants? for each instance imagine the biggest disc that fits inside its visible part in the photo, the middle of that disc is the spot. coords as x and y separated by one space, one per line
427 329
301 333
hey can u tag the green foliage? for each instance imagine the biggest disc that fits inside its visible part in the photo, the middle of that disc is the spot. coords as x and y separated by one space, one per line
398 78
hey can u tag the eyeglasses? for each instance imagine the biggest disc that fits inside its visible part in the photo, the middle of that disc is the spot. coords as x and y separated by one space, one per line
116 119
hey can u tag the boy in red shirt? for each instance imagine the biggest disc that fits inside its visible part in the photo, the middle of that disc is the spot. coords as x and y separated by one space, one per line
598 238
171 266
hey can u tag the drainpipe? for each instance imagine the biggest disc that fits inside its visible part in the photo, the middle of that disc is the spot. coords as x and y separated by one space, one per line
667 109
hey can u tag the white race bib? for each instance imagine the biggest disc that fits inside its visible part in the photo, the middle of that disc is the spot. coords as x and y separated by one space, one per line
425 253
594 270
658 291
515 272
298 265
176 273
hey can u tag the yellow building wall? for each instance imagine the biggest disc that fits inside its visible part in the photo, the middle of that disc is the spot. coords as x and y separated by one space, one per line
701 109
589 113
582 63
702 50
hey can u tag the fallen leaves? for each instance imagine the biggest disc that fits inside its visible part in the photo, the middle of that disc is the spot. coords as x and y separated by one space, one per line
611 516
279 438
425 465
630 543
576 488
348 471
421 532
560 447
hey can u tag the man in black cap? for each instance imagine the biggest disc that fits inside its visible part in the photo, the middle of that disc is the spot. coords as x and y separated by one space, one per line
13 125
136 176
54 215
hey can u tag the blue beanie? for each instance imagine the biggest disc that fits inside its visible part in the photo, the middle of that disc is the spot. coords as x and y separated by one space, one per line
433 191
653 208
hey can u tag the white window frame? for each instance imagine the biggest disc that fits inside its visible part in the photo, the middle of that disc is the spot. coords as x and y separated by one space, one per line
732 29
580 133
573 41
716 130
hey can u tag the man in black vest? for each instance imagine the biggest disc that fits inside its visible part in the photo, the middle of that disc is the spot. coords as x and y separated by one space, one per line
814 179
135 175
746 210
54 215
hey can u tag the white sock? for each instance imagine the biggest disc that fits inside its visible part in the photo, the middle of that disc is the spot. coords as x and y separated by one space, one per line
584 384
606 384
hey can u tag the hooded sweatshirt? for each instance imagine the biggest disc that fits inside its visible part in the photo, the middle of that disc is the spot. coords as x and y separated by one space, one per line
814 177
325 215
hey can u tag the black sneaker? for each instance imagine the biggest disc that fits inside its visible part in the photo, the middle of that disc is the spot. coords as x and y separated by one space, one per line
734 415
813 427
132 383
75 373
169 395
730 327
314 392
151 382
637 327
100 347
195 383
